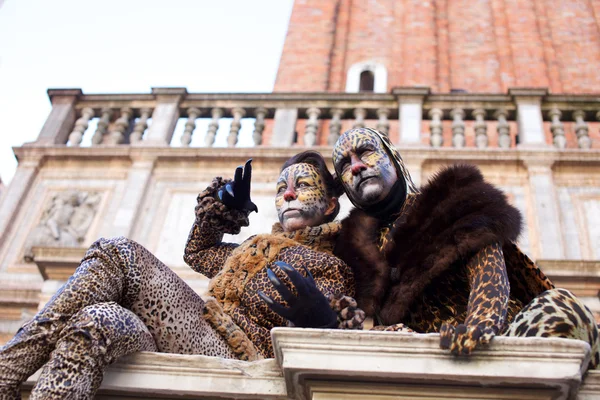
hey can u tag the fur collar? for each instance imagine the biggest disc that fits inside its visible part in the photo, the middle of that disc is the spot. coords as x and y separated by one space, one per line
319 238
455 214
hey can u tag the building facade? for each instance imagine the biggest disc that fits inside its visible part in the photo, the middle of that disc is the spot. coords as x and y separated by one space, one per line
508 85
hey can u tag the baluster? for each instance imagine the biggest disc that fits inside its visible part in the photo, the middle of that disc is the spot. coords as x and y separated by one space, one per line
581 130
435 127
359 115
259 125
80 126
557 128
117 136
458 127
190 125
102 126
503 128
481 137
310 134
236 124
383 125
335 126
216 113
140 126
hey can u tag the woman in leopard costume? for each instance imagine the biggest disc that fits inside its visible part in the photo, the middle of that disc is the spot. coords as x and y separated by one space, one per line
122 299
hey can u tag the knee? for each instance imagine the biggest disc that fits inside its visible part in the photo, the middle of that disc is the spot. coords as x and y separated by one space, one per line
105 324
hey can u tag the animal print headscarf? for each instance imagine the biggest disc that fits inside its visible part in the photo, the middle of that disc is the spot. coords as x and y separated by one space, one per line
407 185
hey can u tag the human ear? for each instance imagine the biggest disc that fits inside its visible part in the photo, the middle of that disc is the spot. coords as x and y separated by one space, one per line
331 206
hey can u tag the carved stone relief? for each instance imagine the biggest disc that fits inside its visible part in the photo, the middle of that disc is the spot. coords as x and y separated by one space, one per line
64 221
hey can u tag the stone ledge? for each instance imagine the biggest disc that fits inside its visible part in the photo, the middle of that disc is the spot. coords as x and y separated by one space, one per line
57 263
542 368
176 376
319 364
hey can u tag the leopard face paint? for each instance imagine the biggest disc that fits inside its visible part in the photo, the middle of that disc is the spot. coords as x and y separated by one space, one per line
301 199
364 167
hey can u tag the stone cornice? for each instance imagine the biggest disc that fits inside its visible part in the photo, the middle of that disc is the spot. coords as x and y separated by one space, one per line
57 263
591 157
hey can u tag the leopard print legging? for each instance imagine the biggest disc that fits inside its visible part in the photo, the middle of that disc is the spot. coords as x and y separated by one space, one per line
120 300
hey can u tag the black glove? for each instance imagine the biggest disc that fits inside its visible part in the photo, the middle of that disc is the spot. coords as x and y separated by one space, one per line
310 309
236 194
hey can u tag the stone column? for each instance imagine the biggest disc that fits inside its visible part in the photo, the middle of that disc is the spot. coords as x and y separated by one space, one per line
284 127
130 205
546 212
236 125
259 125
81 126
164 117
410 113
59 123
529 116
14 195
335 126
312 125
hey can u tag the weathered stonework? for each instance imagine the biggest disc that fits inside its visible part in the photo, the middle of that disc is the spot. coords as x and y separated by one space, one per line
146 189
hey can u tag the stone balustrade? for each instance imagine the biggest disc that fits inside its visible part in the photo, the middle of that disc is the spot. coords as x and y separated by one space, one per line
410 116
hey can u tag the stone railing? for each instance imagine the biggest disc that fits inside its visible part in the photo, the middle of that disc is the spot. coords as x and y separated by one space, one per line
411 116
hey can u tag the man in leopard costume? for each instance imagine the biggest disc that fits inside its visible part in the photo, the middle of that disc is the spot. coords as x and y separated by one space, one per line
443 258
122 299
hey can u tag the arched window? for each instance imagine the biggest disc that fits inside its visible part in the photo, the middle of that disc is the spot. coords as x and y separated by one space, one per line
366 76
367 81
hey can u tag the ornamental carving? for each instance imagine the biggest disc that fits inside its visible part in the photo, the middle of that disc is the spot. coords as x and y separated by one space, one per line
64 222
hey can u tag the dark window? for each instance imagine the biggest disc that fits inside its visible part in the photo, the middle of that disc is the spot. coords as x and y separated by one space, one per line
367 82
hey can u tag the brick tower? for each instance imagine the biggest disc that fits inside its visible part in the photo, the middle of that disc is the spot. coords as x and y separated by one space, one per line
484 46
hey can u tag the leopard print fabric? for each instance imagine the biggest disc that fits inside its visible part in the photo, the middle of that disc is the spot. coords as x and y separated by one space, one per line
488 295
557 313
205 252
115 270
92 339
237 285
481 304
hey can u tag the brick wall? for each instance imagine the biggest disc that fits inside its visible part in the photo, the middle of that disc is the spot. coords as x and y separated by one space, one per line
481 46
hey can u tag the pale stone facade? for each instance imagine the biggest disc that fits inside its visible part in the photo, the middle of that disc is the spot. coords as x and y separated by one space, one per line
129 164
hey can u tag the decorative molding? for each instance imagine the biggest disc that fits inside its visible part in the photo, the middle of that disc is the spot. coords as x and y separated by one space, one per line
416 359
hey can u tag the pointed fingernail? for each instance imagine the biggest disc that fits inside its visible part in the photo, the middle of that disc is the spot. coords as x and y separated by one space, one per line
272 277
229 189
264 297
284 266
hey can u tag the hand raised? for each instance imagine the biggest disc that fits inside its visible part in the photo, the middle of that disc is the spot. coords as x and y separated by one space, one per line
236 194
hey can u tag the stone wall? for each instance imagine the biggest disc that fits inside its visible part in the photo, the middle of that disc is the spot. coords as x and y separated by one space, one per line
484 46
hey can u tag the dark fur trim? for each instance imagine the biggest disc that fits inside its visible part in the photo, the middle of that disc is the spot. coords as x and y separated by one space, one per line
456 214
357 246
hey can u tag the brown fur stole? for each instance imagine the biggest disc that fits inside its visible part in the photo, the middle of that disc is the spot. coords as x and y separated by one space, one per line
456 214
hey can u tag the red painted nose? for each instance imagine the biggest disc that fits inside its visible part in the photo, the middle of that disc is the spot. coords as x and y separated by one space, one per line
357 165
289 195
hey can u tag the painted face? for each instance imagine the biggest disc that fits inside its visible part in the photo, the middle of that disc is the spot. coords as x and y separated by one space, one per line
364 167
301 198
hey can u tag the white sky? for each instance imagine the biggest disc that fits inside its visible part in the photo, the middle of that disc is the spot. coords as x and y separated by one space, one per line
129 46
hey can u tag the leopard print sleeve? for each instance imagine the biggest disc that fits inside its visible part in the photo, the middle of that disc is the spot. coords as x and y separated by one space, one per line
335 280
487 305
490 289
205 252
